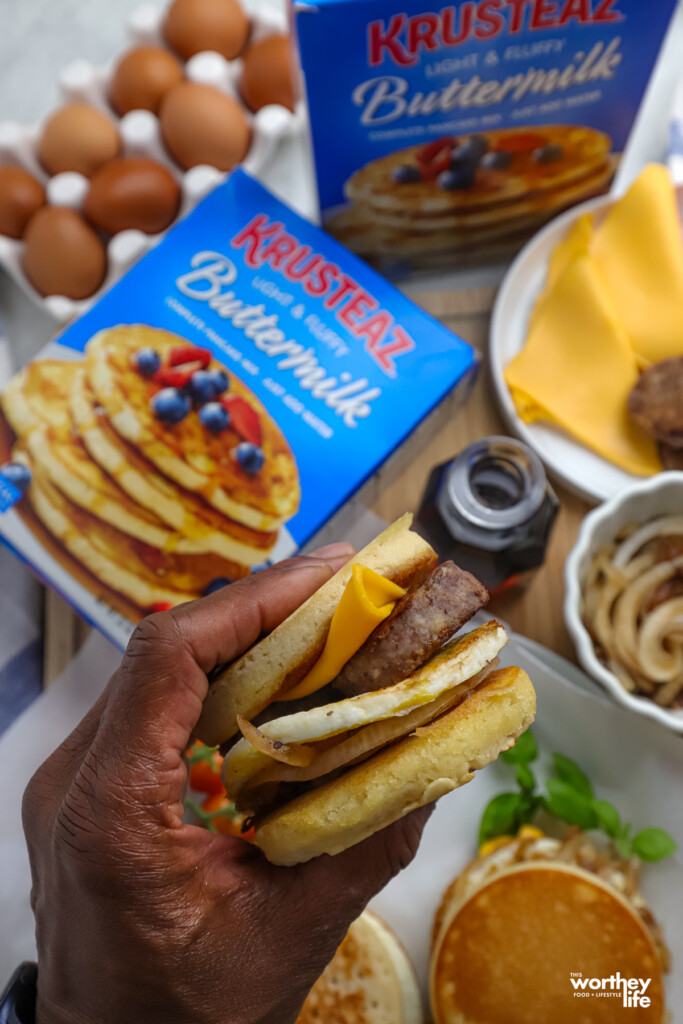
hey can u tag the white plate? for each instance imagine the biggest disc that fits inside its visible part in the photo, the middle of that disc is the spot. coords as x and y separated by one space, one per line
584 472
630 762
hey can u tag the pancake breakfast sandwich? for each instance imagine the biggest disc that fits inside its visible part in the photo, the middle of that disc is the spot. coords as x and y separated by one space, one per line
150 466
362 705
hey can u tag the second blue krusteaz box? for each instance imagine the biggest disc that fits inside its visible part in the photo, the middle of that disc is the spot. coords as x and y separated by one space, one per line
446 136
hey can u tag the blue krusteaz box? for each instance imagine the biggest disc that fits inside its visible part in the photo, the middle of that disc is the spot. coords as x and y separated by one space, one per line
446 136
215 409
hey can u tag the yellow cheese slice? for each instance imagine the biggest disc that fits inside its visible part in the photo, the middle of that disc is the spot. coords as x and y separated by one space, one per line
638 253
577 369
574 244
367 600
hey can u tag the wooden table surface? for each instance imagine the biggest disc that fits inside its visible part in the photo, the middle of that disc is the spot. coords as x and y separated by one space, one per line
537 613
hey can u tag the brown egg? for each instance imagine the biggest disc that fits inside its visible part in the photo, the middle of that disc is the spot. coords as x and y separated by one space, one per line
268 74
132 192
78 138
201 125
192 26
20 196
142 78
62 254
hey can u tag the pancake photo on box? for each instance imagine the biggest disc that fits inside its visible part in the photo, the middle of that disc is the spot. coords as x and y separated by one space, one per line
382 710
369 981
106 510
199 448
478 196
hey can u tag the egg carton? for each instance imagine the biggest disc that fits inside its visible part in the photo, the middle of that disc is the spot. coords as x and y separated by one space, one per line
140 132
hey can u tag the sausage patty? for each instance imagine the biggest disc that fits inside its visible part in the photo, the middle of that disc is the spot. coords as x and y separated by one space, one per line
419 625
656 402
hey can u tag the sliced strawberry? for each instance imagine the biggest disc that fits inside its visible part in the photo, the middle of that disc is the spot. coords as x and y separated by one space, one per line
152 557
428 154
189 354
430 171
176 376
243 418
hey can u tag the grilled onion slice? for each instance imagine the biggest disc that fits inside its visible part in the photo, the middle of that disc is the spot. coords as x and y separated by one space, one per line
286 753
361 744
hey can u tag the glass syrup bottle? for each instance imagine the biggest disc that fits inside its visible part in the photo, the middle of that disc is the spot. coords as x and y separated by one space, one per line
490 510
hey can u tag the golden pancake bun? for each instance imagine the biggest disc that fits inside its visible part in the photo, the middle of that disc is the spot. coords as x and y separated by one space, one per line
369 981
413 772
284 657
506 951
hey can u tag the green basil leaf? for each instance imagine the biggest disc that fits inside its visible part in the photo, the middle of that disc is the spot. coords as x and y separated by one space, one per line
571 806
525 777
624 847
653 844
608 817
500 817
524 751
569 772
528 805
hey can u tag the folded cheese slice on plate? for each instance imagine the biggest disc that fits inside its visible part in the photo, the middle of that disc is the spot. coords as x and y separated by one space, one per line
577 368
638 254
575 244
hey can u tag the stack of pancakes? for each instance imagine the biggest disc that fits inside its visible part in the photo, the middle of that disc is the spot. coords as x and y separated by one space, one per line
395 219
144 512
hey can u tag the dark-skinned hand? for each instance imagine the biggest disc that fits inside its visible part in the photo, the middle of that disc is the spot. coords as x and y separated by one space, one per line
143 918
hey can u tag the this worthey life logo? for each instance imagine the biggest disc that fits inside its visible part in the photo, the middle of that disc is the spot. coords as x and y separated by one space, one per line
632 991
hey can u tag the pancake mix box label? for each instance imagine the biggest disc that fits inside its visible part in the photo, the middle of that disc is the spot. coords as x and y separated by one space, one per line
213 410
445 137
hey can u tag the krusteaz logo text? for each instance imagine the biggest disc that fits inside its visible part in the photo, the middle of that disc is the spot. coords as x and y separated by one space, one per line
632 991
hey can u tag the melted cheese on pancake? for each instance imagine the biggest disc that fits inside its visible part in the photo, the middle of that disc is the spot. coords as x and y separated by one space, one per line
367 600
577 369
638 254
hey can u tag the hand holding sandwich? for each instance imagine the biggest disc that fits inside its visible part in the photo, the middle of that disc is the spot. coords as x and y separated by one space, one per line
140 917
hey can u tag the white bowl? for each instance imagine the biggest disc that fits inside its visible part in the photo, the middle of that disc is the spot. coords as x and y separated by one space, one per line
660 495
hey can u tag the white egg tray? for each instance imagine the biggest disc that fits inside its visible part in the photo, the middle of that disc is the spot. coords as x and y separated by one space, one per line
140 134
